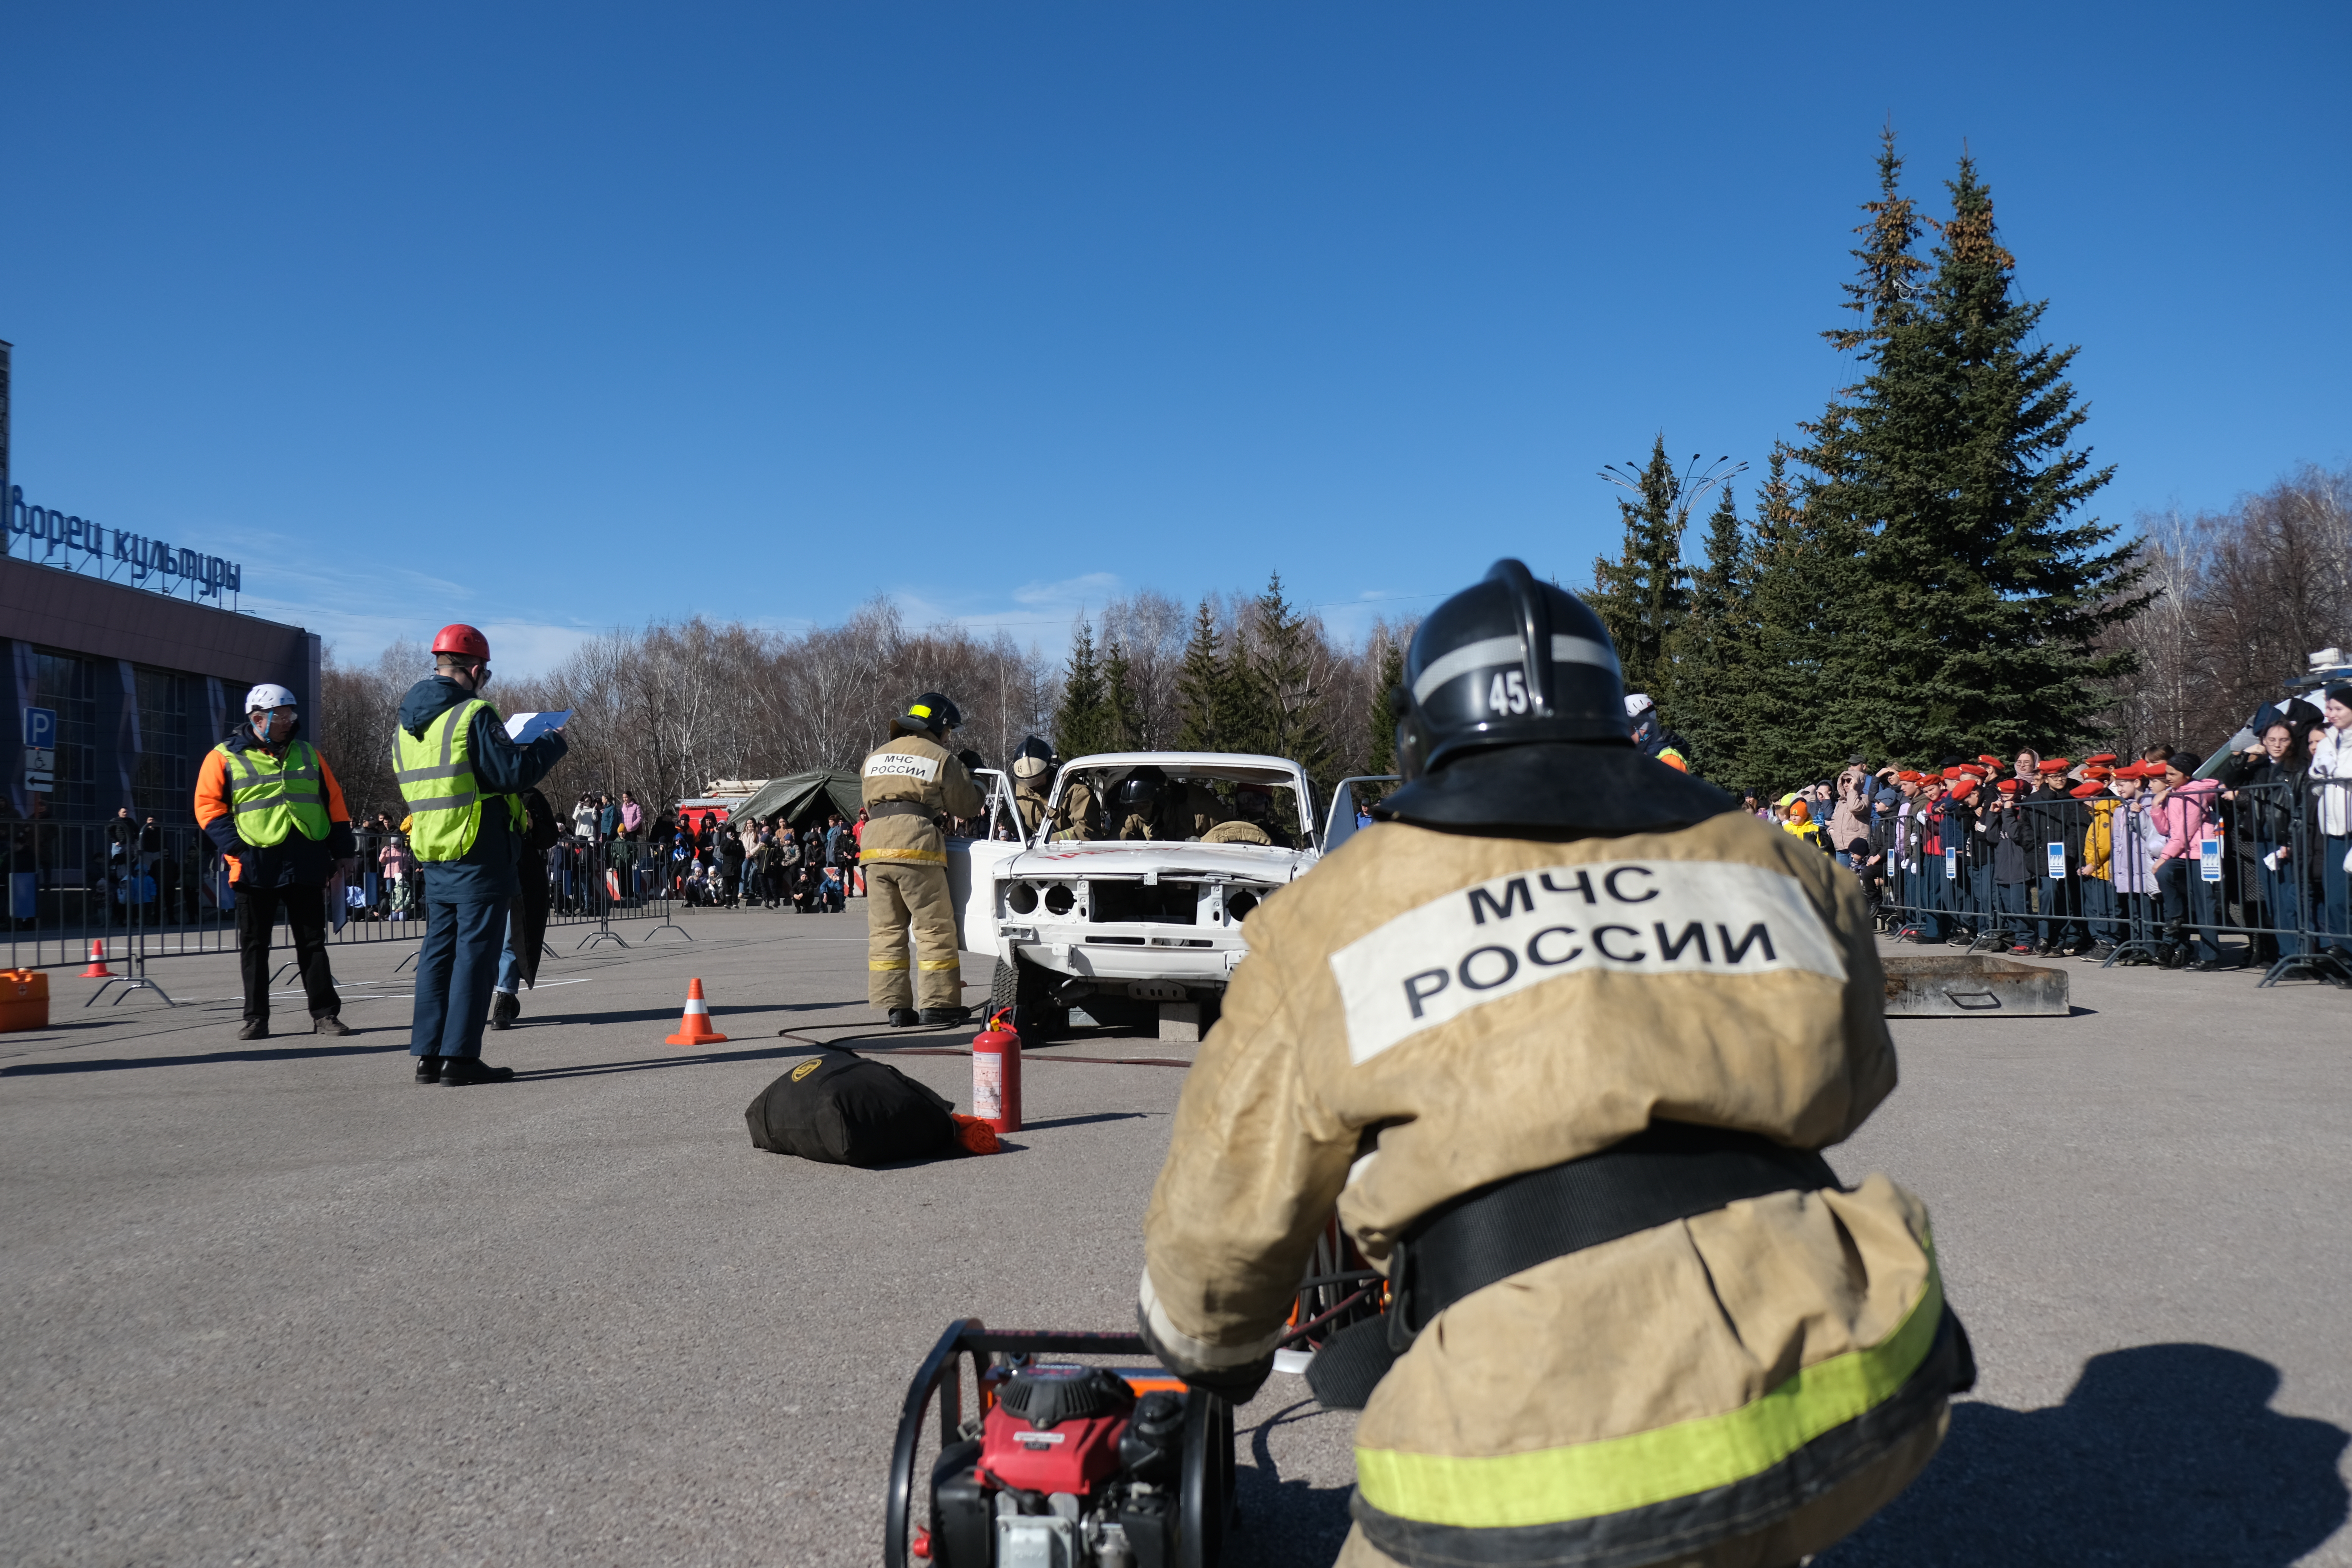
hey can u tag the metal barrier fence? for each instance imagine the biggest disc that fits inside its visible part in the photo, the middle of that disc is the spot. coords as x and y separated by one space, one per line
2224 876
143 893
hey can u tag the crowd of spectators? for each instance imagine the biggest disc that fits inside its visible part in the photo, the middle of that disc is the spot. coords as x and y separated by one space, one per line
617 851
770 865
2156 857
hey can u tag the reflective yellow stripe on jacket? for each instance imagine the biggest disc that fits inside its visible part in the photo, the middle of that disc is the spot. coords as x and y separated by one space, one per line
1613 1475
435 773
271 798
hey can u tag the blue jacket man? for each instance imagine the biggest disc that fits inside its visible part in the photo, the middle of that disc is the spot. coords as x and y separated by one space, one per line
464 831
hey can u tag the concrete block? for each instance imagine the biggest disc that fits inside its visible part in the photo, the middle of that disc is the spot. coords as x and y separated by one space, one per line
1960 986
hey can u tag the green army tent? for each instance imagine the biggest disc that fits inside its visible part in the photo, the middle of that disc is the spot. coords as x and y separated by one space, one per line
802 798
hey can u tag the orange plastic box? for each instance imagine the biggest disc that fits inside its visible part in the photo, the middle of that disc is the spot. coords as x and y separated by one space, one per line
24 1000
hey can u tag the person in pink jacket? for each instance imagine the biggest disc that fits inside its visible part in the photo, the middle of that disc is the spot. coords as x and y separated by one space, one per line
399 874
2182 808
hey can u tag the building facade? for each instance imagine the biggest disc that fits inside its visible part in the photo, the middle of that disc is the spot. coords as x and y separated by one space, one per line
141 684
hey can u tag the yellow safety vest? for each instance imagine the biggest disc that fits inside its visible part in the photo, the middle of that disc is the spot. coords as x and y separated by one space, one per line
436 780
270 797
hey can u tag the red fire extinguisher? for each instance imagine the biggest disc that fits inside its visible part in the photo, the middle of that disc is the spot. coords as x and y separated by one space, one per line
996 1075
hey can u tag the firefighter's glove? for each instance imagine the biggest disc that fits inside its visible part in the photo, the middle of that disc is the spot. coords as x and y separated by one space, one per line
1236 1385
972 760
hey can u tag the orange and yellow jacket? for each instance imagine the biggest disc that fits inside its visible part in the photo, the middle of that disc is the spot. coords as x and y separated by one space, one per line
299 862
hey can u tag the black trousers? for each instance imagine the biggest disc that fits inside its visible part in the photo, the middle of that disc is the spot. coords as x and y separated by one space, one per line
306 916
2173 877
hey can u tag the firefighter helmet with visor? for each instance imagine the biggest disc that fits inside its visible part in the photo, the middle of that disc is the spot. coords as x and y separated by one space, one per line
930 713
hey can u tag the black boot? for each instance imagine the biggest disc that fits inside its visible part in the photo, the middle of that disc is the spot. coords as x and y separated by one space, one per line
904 1017
255 1029
933 1016
428 1069
505 1009
473 1069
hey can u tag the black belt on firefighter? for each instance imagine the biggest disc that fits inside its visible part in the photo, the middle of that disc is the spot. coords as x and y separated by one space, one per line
899 808
1670 1171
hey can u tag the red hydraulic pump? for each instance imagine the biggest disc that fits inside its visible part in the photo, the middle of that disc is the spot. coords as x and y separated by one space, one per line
996 1075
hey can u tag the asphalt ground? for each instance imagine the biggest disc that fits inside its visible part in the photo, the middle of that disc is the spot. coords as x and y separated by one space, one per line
273 1303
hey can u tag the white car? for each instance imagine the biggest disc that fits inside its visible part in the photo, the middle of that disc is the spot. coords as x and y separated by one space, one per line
1137 930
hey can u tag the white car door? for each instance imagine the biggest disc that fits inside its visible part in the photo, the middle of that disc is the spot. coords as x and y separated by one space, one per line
1344 796
973 865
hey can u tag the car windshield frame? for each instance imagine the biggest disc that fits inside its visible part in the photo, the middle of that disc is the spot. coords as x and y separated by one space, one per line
1273 773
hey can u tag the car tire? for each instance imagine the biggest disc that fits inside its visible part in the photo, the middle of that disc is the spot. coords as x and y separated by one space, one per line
1027 990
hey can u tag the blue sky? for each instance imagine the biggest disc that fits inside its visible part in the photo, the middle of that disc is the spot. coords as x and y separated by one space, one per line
556 318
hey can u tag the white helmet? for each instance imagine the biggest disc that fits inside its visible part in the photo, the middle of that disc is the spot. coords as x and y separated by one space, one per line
268 694
1637 703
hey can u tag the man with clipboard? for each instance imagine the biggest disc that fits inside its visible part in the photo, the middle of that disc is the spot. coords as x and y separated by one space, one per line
463 776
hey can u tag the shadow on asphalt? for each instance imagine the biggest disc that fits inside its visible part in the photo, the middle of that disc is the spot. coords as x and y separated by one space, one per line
1082 1120
2161 1454
288 1054
683 1060
1283 1523
639 1014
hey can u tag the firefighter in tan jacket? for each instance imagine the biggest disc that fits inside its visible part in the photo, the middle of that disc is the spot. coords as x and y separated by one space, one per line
1562 1038
1032 781
906 785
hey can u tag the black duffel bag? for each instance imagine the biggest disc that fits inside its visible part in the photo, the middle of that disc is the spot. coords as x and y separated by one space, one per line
845 1110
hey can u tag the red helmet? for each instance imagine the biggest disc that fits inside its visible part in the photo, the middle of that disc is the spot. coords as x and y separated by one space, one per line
461 638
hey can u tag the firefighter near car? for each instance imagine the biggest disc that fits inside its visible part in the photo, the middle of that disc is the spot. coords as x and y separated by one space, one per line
906 785
1562 1036
1032 771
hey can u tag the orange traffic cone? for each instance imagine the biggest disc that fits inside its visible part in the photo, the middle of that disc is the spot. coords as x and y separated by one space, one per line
97 970
695 1029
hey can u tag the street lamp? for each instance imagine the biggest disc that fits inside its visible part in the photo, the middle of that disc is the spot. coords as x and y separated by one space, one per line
1688 491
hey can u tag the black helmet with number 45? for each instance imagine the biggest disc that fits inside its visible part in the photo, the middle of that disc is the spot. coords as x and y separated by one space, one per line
1513 715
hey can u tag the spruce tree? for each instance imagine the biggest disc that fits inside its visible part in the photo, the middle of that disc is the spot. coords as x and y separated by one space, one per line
1204 687
1796 705
1284 715
1641 596
1710 659
1082 724
1123 707
1381 756
1948 468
